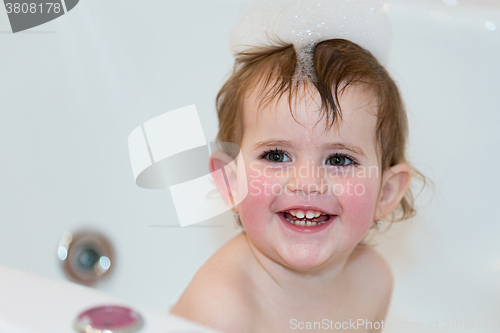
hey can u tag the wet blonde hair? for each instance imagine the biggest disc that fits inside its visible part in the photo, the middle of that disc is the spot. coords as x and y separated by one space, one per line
338 64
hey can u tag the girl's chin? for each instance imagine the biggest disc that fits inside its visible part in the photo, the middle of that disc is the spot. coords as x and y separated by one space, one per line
302 257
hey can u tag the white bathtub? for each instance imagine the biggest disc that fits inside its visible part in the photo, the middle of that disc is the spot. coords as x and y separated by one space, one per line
73 89
31 303
447 260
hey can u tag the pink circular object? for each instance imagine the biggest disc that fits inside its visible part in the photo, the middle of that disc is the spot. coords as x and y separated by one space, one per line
115 319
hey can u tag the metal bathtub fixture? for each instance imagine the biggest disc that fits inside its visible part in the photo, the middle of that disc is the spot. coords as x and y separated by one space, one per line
86 256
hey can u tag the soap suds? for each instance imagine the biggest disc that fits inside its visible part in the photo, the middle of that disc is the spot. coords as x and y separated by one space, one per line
304 23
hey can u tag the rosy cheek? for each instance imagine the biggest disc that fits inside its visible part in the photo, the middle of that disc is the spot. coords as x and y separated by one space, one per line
358 205
255 208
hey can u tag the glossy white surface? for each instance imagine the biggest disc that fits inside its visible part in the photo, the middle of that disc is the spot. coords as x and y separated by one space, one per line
30 303
446 62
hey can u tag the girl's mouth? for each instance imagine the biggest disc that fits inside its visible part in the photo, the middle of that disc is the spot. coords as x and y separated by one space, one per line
309 221
306 218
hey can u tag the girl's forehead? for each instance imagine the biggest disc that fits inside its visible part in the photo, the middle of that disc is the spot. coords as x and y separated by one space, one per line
304 113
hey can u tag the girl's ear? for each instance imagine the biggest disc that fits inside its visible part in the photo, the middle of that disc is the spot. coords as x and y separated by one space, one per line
223 170
395 182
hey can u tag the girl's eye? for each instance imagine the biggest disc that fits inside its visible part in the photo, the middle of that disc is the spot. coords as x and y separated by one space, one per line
339 160
276 156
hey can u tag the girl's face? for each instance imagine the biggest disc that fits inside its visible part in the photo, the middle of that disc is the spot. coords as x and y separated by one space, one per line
294 167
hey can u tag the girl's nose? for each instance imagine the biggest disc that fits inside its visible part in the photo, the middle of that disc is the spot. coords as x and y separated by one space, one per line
307 177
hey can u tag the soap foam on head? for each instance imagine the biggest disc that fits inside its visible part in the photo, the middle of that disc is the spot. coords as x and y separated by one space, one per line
304 23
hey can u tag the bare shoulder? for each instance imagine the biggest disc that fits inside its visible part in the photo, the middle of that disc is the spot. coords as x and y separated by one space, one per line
217 297
370 260
374 276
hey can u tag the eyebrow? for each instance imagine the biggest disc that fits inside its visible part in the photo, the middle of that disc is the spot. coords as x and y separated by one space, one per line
327 146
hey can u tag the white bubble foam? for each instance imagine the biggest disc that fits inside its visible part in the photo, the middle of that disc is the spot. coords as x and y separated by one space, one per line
305 23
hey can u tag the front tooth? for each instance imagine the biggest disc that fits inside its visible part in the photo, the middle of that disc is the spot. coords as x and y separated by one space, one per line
309 223
302 223
310 214
299 214
313 224
297 222
317 214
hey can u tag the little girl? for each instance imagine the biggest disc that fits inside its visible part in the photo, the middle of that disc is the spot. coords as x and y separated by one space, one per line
322 131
